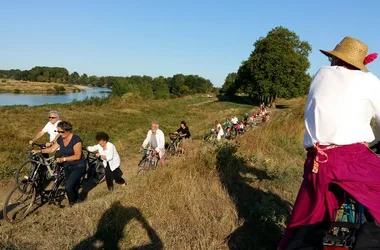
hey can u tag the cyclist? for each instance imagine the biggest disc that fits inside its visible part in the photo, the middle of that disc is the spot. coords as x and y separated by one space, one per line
337 153
245 119
50 128
227 125
235 124
74 163
111 159
184 130
156 139
218 130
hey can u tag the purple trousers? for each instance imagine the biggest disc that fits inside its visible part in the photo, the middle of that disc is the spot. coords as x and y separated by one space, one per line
355 168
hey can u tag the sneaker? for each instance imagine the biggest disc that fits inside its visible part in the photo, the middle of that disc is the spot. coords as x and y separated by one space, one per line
123 185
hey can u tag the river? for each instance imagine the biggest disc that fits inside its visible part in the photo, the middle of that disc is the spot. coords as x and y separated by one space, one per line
41 99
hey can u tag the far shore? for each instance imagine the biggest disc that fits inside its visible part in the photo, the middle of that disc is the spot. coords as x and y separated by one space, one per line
15 86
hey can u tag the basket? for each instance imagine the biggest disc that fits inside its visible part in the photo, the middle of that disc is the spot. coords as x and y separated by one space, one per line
173 136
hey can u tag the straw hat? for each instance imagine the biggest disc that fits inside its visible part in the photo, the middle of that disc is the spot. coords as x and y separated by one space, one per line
351 51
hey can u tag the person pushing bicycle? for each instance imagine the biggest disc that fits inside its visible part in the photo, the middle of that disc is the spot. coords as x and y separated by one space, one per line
156 139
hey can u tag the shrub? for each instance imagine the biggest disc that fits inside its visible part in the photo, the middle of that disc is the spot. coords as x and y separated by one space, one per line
16 91
4 80
59 89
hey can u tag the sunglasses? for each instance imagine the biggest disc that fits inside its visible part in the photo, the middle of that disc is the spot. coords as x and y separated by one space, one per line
50 117
60 131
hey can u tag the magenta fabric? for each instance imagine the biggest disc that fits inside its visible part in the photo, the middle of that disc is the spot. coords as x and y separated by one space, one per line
355 168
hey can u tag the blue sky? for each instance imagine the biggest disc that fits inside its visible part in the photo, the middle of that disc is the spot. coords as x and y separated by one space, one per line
165 37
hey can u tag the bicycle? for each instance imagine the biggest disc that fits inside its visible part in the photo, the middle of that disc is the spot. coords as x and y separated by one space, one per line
343 231
22 198
95 167
25 169
172 149
18 204
148 162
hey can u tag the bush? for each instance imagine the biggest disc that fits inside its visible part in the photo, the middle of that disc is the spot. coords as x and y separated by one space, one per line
4 80
59 89
16 91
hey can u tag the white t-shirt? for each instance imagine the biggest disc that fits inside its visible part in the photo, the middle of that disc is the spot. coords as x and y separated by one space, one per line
234 120
220 129
51 129
112 156
340 106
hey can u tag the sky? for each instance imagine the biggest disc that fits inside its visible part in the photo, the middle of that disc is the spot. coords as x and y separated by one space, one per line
209 38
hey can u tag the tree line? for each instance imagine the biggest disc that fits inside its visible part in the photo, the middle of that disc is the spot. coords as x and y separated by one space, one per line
144 86
276 68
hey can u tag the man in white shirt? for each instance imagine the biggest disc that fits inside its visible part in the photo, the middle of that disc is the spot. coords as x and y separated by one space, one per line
50 128
234 120
156 139
335 140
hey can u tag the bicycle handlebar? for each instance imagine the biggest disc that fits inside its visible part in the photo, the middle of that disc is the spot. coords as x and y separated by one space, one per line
91 153
41 146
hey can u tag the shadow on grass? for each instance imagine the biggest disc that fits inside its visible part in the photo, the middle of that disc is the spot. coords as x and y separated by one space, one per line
261 212
111 230
280 106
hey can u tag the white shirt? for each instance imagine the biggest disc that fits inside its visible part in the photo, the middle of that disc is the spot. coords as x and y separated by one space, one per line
160 138
112 156
51 129
234 120
219 129
340 106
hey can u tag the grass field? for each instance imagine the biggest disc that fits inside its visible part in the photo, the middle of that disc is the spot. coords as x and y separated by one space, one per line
234 195
14 86
127 120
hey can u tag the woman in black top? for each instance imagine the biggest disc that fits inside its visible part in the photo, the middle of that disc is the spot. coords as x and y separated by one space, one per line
70 147
184 130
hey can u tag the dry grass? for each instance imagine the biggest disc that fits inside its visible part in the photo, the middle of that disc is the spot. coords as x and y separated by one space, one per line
183 206
34 87
127 120
234 195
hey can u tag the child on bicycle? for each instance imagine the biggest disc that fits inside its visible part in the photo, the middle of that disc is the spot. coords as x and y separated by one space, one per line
111 159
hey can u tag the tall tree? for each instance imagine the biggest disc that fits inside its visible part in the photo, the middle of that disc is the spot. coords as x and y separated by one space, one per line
277 67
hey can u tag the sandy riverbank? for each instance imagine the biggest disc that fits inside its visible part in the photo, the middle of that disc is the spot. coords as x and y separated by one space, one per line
14 86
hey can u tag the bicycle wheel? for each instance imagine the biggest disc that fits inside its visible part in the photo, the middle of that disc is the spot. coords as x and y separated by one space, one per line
170 151
143 166
19 204
24 171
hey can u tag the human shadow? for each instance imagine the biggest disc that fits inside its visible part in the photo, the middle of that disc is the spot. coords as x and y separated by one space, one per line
261 212
111 230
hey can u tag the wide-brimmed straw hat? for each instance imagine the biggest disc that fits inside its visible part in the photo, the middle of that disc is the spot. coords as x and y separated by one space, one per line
351 51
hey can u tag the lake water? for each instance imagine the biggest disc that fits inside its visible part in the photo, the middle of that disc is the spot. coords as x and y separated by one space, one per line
40 99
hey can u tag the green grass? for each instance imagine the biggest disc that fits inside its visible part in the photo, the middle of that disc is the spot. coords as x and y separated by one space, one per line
231 195
126 120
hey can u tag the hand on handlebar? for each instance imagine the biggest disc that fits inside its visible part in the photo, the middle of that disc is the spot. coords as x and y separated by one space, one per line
34 152
48 144
31 142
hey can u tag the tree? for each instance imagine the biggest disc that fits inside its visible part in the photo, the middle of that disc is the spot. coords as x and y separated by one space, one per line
276 68
84 79
74 78
229 86
160 88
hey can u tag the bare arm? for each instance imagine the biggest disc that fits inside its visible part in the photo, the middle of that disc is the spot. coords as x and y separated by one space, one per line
49 150
38 136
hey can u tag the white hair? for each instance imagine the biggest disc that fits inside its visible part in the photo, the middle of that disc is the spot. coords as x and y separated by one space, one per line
156 123
54 112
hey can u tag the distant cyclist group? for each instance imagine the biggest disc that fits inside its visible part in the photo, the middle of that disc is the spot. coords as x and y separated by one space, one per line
233 126
68 149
